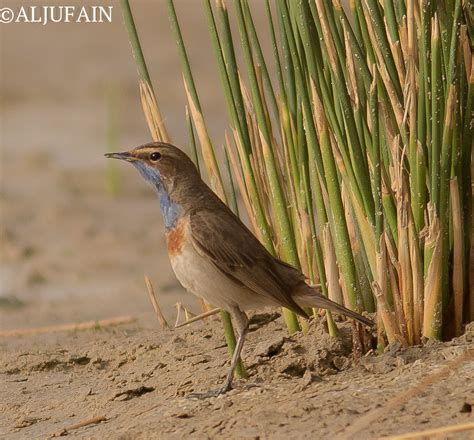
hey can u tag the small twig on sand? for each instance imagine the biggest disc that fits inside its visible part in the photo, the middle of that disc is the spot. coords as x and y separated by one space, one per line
198 318
69 327
151 293
178 313
405 396
188 314
430 433
65 431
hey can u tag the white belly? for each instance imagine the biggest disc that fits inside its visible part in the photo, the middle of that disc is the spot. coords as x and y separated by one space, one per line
200 276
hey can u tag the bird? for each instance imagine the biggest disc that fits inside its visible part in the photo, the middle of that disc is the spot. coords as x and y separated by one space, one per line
213 254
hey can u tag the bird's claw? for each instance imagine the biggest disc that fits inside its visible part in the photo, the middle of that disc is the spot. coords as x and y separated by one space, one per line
209 394
215 393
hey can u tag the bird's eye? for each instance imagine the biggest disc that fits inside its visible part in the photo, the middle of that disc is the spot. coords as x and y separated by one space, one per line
155 157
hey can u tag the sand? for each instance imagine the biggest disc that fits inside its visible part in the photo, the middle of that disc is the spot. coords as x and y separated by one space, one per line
136 381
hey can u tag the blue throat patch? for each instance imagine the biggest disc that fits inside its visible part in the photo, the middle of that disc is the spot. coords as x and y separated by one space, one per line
171 211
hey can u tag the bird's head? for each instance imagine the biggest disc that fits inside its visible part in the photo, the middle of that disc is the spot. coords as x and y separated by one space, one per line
161 164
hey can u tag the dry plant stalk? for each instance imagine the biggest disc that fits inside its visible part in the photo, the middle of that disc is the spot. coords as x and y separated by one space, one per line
82 424
380 288
156 307
242 187
433 311
435 432
458 250
206 146
152 113
75 326
196 318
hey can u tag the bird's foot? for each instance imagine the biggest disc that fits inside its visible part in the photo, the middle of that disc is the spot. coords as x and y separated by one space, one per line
209 394
249 386
219 391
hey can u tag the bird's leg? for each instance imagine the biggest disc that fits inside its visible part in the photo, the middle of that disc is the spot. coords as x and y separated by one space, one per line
241 323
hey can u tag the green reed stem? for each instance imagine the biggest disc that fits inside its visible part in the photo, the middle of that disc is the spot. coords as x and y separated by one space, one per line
367 124
436 103
228 71
135 42
192 140
282 221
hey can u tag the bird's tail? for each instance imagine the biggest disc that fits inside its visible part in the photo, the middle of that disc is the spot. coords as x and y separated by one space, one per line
307 296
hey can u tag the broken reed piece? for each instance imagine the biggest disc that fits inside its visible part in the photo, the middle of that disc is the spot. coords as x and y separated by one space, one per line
431 433
187 314
197 318
82 424
74 326
151 293
401 398
178 306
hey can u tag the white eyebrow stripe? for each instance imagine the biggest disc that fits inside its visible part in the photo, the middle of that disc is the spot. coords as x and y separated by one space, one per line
145 149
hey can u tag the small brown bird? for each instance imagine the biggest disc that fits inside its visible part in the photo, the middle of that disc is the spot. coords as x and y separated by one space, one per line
212 252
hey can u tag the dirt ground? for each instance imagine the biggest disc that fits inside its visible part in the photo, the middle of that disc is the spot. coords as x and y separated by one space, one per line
306 386
71 252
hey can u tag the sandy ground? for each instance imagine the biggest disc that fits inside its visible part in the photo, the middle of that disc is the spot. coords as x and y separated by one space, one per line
306 386
70 252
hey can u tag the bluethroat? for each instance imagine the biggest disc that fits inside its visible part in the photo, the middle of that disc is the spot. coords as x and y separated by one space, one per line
213 254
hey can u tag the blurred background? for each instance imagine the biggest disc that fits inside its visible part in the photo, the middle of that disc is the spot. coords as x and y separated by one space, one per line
71 247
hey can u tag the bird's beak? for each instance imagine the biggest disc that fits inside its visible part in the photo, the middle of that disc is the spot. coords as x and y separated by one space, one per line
122 156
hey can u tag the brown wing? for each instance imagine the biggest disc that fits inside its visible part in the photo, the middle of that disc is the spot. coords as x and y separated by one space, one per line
226 241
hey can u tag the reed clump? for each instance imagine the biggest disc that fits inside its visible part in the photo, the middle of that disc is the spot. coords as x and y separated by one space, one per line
353 155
